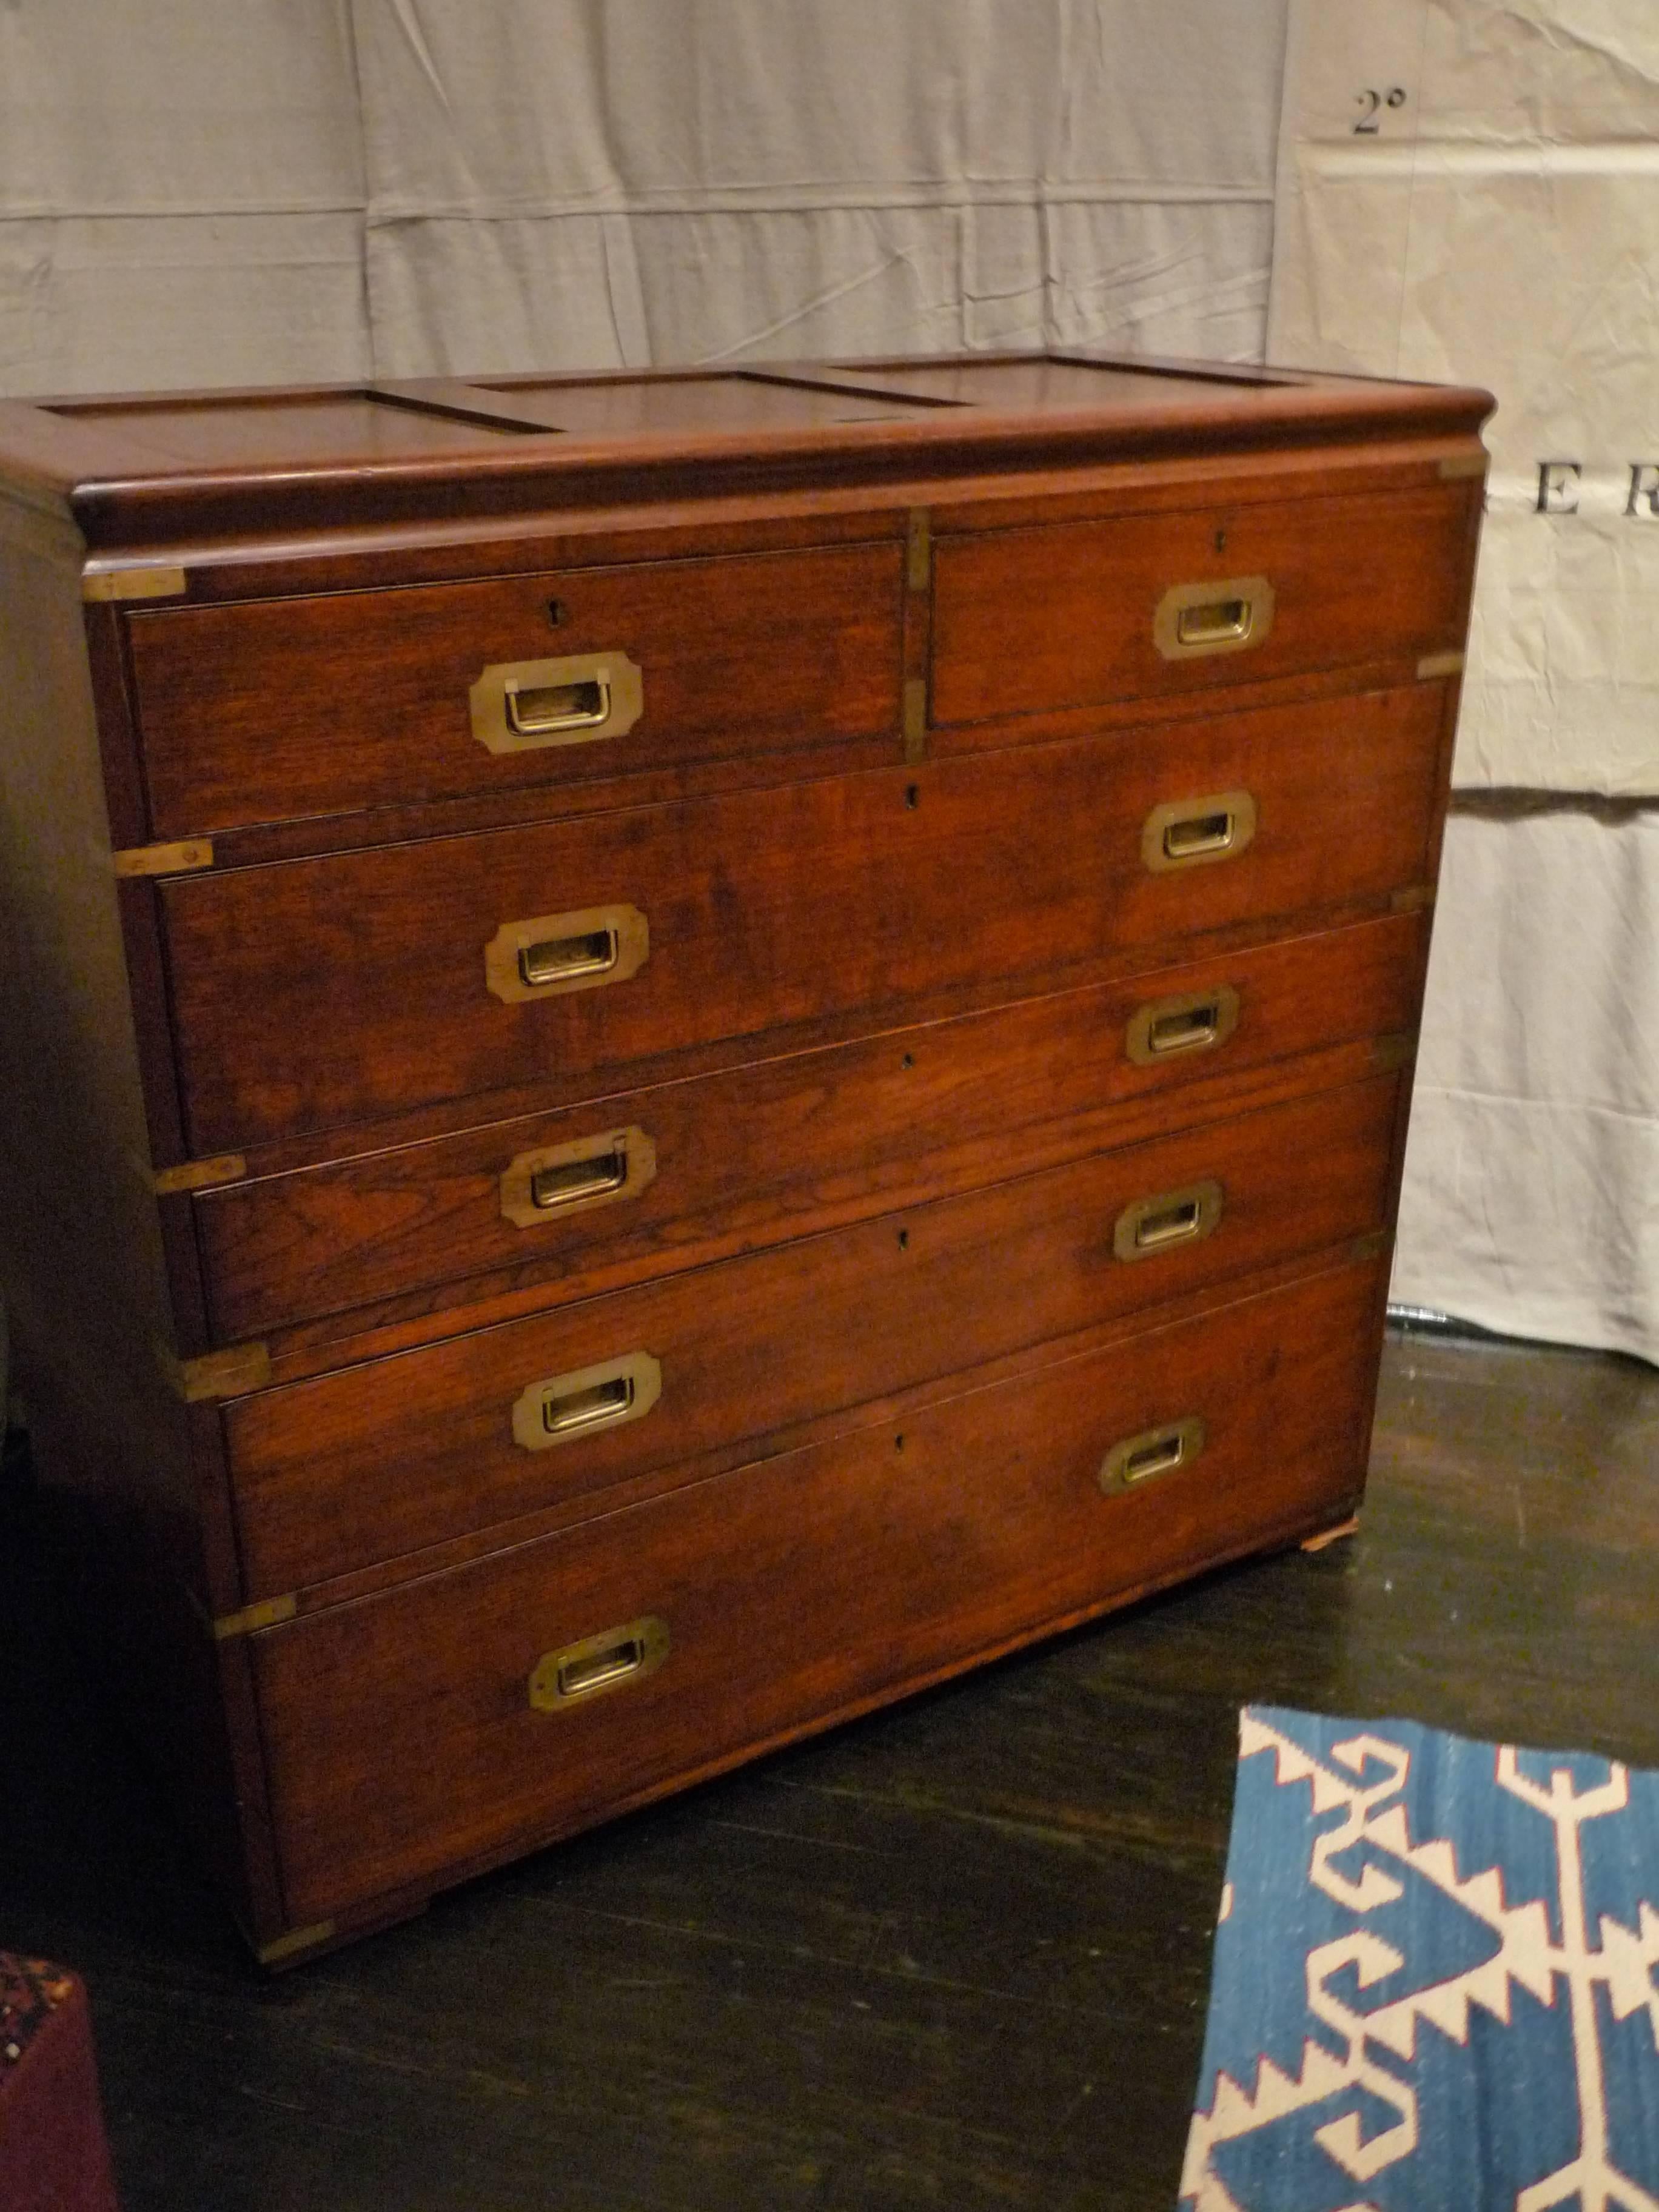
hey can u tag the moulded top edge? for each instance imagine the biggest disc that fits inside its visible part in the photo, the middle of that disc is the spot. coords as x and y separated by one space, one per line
160 464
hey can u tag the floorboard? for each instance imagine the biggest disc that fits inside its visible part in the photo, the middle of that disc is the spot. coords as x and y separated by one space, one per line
954 1955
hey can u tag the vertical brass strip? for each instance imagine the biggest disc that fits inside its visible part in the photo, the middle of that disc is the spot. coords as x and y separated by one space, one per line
919 555
916 719
918 633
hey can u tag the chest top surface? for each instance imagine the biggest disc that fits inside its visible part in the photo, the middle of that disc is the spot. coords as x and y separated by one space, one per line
147 469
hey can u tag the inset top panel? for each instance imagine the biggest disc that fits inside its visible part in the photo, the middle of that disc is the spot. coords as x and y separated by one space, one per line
242 430
1045 384
738 401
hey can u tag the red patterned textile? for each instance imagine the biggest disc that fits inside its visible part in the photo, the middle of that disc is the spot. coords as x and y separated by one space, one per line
53 2157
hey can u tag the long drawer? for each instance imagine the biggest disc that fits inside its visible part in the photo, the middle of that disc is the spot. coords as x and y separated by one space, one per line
375 1461
668 1178
270 710
1073 614
543 1688
314 993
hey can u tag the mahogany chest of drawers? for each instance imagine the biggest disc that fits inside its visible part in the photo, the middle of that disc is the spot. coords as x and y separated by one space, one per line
682 1051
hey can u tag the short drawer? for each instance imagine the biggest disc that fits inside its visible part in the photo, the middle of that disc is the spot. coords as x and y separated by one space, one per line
316 993
672 1178
373 1461
266 710
1075 614
542 1689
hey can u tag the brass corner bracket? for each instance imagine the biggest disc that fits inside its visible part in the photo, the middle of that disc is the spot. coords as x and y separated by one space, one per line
181 859
216 1373
101 585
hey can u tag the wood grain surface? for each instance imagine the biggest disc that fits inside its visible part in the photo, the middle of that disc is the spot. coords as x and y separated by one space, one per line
793 1145
382 1458
314 706
399 1729
1061 615
315 993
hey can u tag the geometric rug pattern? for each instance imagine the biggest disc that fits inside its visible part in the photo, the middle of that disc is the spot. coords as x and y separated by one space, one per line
1434 1983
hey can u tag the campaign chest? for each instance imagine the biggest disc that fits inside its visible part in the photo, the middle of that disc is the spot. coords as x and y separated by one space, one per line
682 1051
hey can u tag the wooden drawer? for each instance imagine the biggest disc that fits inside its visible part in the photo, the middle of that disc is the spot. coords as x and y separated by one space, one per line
376 1460
706 1167
269 709
319 991
702 1168
399 1733
1067 614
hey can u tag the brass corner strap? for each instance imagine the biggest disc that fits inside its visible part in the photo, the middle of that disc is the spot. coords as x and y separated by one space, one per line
181 859
269 1613
216 1373
1394 1050
291 1945
195 1175
152 583
1439 664
1411 898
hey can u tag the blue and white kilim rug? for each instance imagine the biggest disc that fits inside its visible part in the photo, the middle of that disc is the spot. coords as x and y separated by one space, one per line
1434 1986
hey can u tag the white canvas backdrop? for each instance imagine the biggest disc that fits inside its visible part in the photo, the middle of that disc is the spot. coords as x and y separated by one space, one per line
1470 189
282 189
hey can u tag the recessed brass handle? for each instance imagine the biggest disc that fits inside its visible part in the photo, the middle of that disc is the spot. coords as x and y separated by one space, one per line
563 1408
1224 615
548 953
1153 1452
589 953
551 710
520 705
576 1671
560 1179
1182 832
551 1188
1157 1225
1193 1021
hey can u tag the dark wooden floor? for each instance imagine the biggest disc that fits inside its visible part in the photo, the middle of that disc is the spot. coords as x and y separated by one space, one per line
956 1955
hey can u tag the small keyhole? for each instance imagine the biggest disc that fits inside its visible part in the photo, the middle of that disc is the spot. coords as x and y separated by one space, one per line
557 613
898 1444
908 1060
912 794
904 1240
1221 541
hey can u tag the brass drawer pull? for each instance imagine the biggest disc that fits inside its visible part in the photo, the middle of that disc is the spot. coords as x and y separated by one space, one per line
563 1408
628 1654
519 705
549 953
1182 831
1220 616
1193 1022
1142 1458
600 1177
1174 1217
549 710
591 952
561 1180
